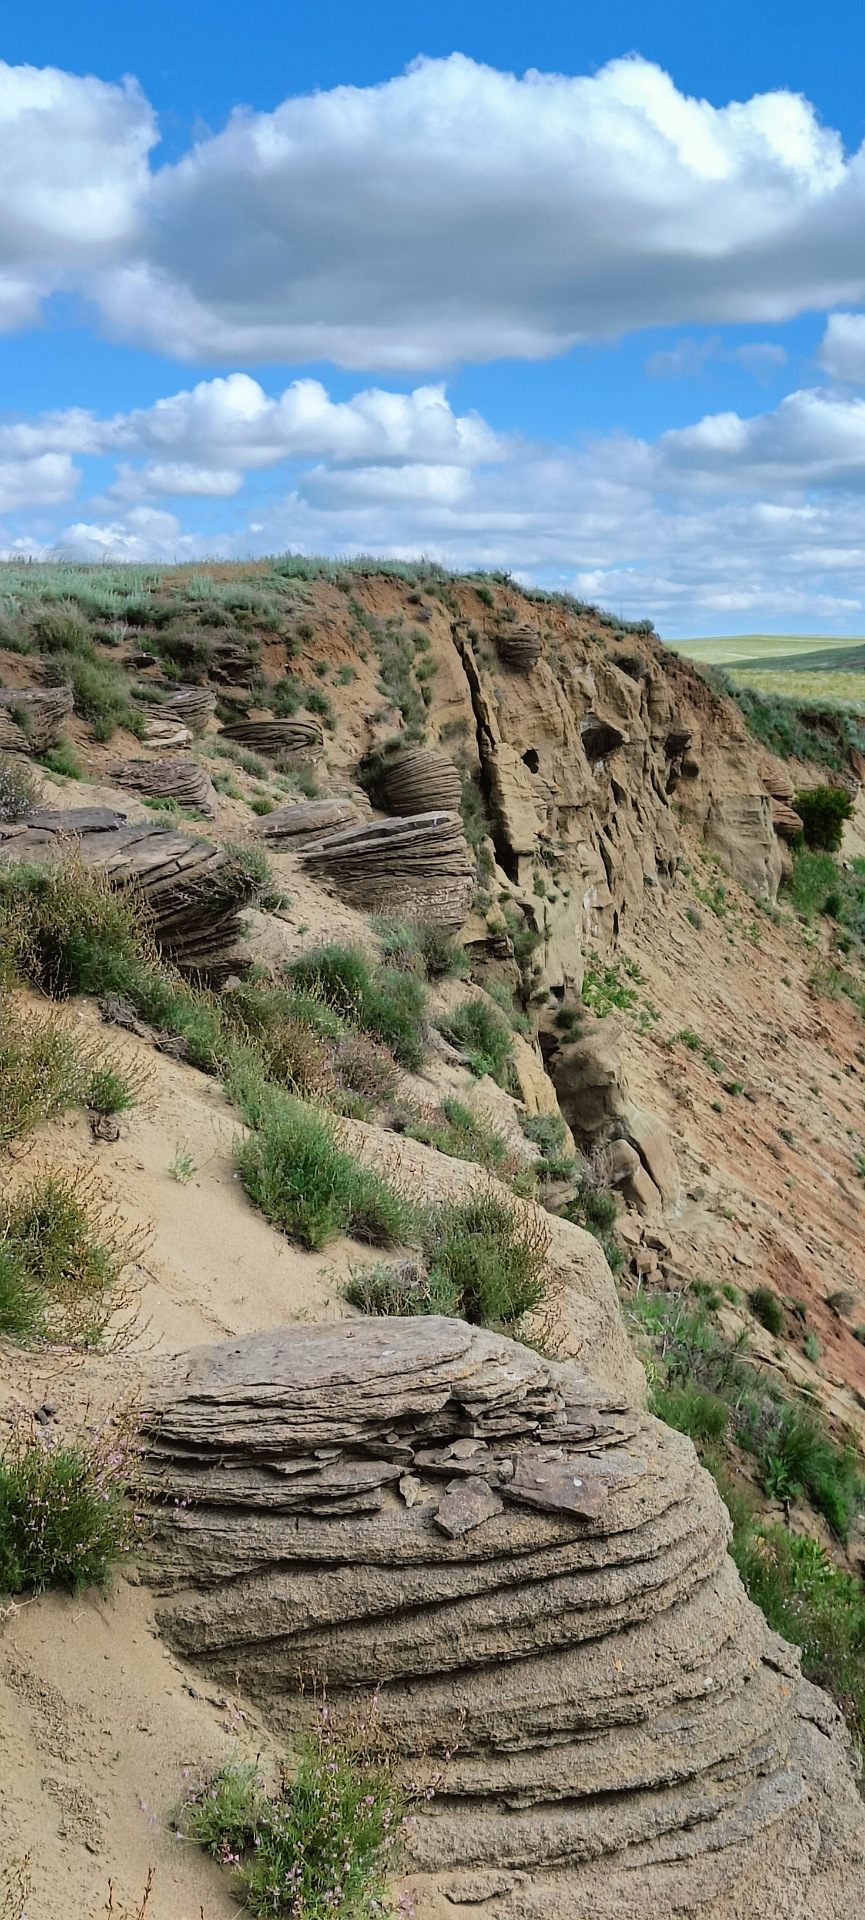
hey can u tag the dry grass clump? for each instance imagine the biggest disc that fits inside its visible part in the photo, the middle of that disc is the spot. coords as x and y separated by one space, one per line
64 1254
64 1513
41 1071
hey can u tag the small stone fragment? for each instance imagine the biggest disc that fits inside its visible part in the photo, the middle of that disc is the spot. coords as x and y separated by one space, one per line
466 1504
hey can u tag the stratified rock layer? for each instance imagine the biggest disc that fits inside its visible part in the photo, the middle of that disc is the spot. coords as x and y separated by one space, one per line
420 865
535 1582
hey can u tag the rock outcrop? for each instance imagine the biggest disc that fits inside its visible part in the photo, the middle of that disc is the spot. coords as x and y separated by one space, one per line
31 720
419 780
419 866
592 1091
534 1581
181 780
274 736
194 890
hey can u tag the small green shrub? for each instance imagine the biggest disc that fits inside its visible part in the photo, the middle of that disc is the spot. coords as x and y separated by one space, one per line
388 1002
418 946
594 1208
815 1604
325 1844
63 1255
110 1091
63 760
64 1520
691 1410
100 689
823 811
17 789
402 1290
811 1348
767 1308
294 1170
487 1254
455 1130
41 1072
484 1037
67 931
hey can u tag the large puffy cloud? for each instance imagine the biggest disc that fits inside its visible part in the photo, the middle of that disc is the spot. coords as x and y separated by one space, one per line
812 440
232 423
453 212
728 521
44 482
73 181
462 212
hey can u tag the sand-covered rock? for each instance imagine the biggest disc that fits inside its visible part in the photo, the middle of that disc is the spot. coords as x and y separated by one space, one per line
534 1579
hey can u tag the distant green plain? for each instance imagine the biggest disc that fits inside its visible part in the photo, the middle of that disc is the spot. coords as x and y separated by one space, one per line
804 667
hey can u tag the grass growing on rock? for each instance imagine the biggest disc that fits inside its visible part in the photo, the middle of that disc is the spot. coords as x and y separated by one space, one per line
483 1036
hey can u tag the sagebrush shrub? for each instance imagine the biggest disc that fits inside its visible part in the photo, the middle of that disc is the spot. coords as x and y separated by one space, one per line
823 811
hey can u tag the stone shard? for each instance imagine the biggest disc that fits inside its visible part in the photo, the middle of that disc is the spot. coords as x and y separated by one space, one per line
625 1736
560 1486
466 1504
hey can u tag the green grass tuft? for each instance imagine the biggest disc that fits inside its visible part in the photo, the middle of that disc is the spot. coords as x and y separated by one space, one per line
294 1170
484 1037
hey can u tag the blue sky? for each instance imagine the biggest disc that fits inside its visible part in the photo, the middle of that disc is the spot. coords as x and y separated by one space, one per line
571 290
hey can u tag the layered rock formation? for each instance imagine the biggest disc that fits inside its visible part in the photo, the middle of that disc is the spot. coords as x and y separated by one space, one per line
31 720
194 890
419 866
274 736
181 780
534 1580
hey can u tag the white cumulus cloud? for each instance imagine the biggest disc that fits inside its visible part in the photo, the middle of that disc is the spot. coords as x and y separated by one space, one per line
453 212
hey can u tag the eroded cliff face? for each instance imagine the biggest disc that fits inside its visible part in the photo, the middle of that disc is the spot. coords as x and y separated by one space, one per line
590 754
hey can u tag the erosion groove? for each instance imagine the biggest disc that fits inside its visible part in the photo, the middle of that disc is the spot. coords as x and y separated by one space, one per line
534 1580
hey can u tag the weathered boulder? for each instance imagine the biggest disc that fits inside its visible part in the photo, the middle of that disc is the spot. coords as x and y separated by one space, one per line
419 866
181 780
534 1581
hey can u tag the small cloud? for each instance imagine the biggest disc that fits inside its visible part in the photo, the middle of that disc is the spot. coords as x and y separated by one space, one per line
685 361
760 357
